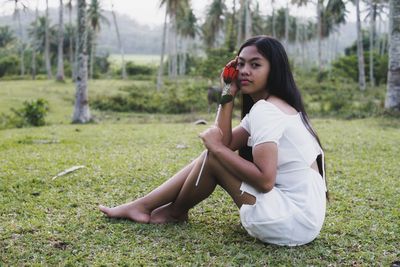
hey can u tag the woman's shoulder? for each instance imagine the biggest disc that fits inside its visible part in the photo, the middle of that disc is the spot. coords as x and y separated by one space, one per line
274 105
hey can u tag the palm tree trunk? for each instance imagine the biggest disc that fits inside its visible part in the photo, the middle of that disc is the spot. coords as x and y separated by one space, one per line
21 43
173 70
60 52
393 84
81 110
160 68
247 21
71 43
121 48
240 24
286 25
93 53
372 43
47 43
360 51
319 35
273 19
34 46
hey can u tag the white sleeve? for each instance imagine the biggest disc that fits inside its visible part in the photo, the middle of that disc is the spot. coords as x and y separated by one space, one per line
266 124
245 123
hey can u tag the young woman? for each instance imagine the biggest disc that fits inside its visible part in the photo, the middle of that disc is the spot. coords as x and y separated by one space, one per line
277 183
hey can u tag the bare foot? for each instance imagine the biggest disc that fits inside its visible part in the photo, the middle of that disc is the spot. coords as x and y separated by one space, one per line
163 215
131 211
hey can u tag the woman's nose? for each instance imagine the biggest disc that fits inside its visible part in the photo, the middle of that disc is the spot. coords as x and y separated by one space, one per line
245 70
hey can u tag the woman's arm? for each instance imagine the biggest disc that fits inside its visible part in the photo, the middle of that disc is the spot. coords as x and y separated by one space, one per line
261 173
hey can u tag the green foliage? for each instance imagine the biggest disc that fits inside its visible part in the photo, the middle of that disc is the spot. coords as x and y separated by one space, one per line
347 67
133 69
175 97
336 98
32 113
6 36
212 65
9 65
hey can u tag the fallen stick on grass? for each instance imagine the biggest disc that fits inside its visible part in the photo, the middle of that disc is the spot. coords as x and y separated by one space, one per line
72 169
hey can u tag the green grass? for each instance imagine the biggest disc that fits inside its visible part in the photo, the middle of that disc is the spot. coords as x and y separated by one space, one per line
56 222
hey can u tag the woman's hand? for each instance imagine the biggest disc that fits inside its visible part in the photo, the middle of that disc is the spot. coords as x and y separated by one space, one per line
212 138
233 85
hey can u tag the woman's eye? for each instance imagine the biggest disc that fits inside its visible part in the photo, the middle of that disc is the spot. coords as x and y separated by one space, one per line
240 64
255 65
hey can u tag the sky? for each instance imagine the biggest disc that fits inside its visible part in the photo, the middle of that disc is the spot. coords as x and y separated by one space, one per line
148 11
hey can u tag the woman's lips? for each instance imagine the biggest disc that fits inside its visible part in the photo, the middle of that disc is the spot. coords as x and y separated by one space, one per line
244 82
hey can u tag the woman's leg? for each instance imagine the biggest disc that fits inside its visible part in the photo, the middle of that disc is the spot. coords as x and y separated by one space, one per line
213 173
140 209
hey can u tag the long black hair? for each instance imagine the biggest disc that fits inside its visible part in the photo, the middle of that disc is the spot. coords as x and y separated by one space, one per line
280 83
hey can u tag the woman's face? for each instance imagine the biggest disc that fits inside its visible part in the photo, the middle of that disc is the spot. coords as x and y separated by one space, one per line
253 73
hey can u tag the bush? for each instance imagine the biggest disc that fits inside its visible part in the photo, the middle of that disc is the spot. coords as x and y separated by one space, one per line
133 69
335 98
174 98
33 113
347 67
9 65
211 67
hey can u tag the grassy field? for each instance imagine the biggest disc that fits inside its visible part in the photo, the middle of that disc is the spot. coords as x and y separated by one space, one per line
56 222
137 59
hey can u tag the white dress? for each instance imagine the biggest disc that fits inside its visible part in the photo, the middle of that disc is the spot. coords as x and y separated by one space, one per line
293 212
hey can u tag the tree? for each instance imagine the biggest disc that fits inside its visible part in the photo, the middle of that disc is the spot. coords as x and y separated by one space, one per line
330 13
393 84
81 110
47 43
172 9
34 44
95 16
70 33
60 51
187 30
374 10
160 68
6 36
121 48
360 50
17 15
214 22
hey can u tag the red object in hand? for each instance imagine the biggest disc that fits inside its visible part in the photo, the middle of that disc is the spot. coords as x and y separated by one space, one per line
229 74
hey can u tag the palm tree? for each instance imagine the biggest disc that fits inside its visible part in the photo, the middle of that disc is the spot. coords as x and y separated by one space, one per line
71 39
35 44
121 48
160 68
187 30
247 20
47 43
212 28
330 13
6 36
393 86
374 10
240 23
360 50
95 16
60 51
172 9
17 15
81 110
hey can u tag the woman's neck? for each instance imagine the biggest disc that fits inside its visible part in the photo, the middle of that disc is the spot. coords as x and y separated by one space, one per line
259 96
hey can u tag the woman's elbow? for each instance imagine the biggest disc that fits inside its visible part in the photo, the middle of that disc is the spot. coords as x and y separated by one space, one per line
266 187
267 184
